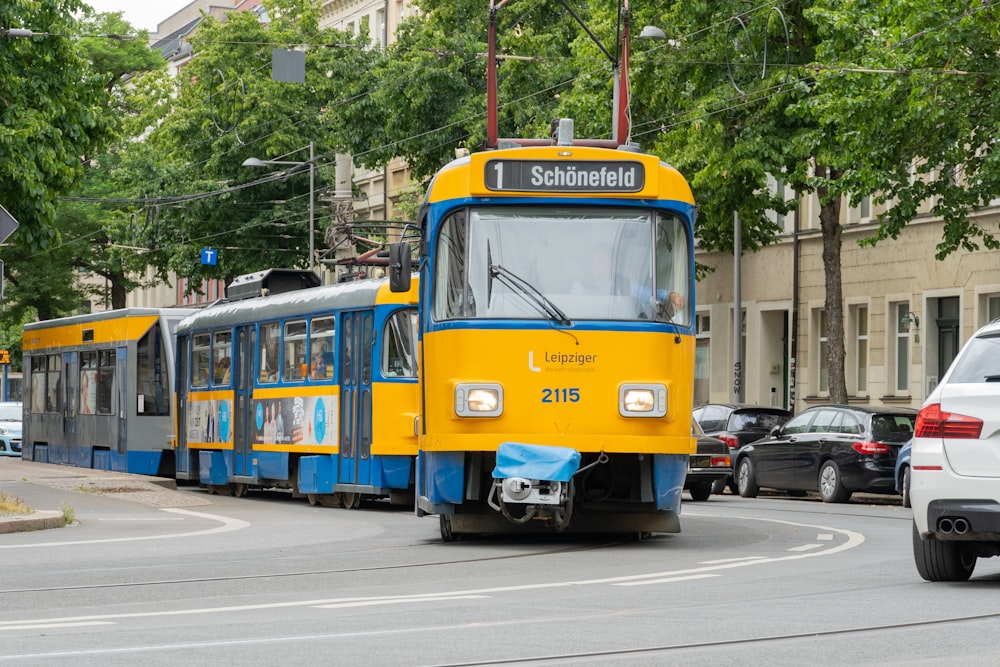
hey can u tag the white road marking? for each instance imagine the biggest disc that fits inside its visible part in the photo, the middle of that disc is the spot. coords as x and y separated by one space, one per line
826 537
853 539
166 518
49 626
806 547
372 603
228 525
669 580
732 560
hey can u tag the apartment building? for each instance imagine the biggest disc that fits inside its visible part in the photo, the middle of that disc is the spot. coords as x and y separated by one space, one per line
906 314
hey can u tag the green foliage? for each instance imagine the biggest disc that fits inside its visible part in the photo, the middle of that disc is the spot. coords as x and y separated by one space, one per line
228 109
908 94
428 95
49 114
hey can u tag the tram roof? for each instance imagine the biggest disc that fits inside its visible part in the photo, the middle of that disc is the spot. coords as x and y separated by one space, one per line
105 315
356 294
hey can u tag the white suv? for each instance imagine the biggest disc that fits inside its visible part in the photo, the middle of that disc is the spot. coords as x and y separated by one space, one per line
955 464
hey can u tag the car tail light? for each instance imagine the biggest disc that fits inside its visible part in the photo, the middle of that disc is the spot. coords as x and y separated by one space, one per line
720 462
731 440
870 448
933 422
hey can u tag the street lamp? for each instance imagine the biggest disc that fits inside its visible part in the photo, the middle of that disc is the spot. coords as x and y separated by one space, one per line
311 163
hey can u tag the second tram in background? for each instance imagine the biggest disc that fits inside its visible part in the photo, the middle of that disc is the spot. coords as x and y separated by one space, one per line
287 384
557 345
99 390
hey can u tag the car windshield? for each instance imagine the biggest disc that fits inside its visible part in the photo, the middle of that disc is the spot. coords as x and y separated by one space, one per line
10 413
755 421
892 428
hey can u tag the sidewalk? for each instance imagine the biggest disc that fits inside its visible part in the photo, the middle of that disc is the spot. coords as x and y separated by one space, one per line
152 491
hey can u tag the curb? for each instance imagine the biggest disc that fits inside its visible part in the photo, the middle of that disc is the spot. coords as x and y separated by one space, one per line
38 520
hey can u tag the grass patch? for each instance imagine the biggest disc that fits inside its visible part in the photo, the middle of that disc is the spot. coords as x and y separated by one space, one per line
68 512
11 504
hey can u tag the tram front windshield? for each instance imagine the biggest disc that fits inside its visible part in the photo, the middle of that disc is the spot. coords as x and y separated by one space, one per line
573 263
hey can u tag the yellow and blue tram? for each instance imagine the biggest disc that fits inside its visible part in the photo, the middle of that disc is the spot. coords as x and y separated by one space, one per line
556 341
287 384
98 390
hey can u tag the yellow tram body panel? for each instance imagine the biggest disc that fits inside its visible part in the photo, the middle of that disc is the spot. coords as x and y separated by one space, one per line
560 387
395 406
392 428
106 331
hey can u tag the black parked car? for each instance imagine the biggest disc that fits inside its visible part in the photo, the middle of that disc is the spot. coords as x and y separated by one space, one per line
737 424
709 464
833 449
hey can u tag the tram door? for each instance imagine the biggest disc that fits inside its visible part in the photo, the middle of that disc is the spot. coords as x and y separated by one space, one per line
356 346
242 365
183 457
121 404
71 371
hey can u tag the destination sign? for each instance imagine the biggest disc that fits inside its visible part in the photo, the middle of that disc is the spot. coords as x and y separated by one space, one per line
564 176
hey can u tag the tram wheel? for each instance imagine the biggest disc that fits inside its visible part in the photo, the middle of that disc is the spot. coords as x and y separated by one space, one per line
446 533
352 501
313 498
239 490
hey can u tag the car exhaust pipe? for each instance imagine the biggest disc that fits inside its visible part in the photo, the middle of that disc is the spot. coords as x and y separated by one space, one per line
960 526
945 526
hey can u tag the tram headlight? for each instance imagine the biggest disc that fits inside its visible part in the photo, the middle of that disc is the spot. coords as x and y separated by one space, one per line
642 400
478 400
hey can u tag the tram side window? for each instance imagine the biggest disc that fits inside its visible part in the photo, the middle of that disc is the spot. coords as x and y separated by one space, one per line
267 351
222 350
453 297
321 348
37 381
105 380
399 348
88 383
295 351
53 389
201 359
151 375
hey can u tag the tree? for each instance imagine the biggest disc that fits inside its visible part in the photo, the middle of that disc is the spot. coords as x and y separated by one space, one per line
429 92
908 92
228 109
42 143
109 237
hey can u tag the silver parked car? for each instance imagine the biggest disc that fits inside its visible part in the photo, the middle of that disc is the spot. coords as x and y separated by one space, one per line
10 428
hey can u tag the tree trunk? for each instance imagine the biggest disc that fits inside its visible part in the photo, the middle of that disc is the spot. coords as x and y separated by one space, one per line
118 292
829 218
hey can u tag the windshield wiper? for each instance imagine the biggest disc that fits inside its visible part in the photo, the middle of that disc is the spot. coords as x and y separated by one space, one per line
529 293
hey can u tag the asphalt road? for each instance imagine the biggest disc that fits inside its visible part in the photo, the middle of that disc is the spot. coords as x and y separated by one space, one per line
161 576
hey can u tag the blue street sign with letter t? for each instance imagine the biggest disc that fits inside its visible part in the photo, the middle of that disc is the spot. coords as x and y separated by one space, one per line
209 256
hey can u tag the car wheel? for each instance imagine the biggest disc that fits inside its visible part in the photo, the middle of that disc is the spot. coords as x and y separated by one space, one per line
938 560
700 491
746 479
831 489
906 486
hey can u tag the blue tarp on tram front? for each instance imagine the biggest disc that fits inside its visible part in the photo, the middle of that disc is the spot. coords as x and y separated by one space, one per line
556 464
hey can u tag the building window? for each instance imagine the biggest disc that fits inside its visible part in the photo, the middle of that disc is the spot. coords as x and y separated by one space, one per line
861 349
992 308
380 26
822 352
902 356
702 357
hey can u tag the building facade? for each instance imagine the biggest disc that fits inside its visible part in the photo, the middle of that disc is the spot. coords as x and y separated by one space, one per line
906 314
